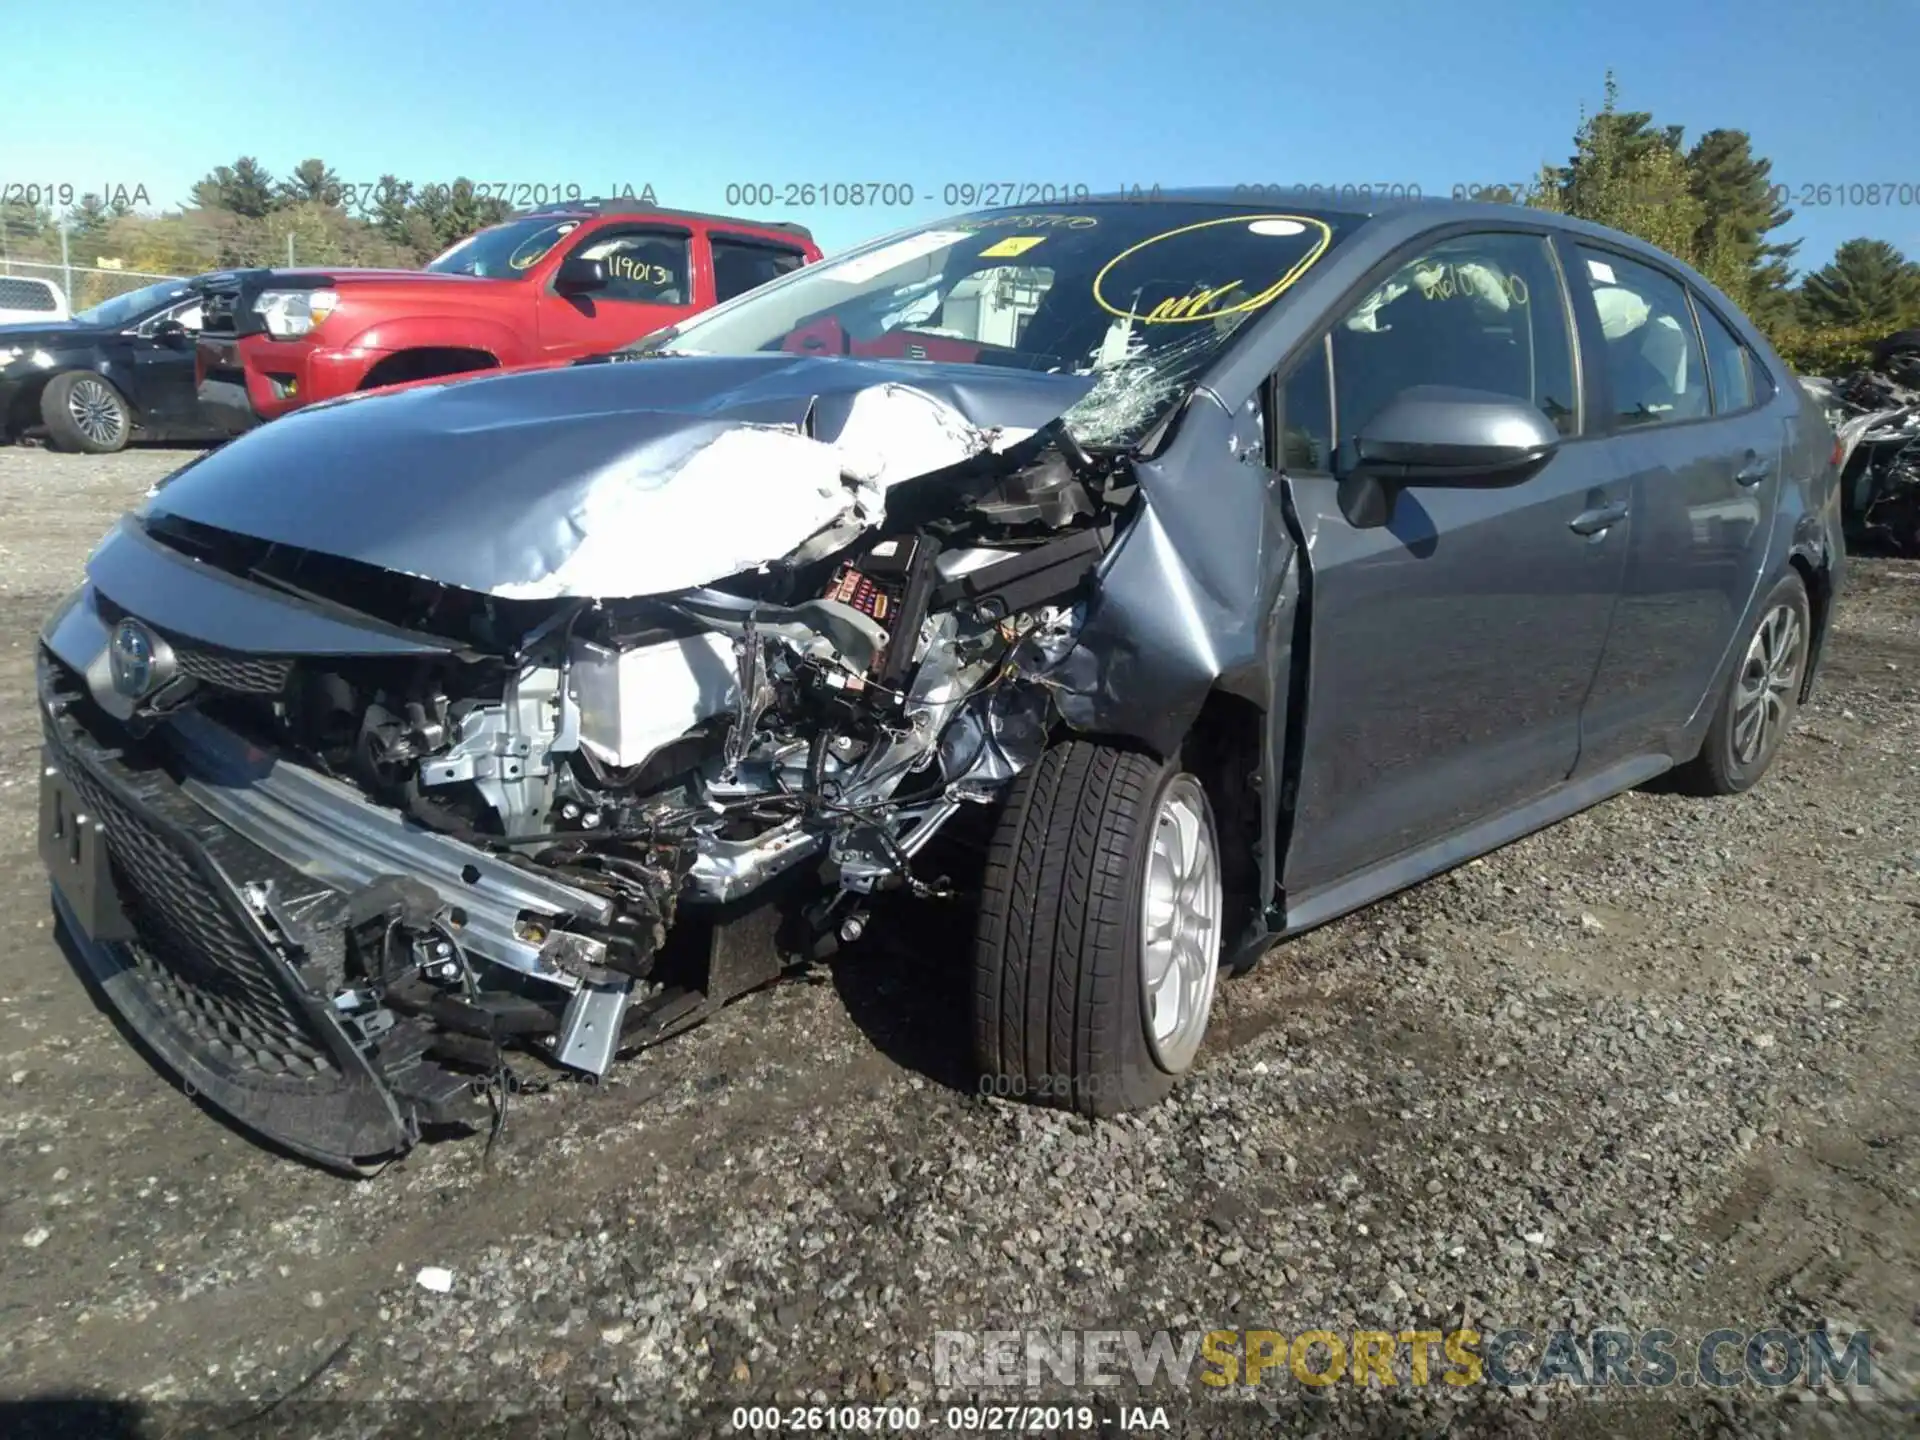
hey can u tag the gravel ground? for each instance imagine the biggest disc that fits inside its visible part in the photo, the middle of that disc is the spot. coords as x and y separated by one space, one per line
1652 1068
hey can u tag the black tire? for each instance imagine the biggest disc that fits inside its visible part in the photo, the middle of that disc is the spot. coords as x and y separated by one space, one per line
1726 764
85 412
1059 1013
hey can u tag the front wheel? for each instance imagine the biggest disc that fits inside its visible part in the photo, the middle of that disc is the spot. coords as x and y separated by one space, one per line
1098 941
1761 697
84 412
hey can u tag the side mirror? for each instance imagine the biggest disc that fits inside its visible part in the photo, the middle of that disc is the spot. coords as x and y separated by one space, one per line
578 276
1441 435
173 334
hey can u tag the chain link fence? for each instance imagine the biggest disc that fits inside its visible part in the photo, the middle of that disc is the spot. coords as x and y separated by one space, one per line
84 285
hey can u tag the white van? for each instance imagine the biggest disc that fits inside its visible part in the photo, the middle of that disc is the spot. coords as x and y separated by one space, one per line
27 301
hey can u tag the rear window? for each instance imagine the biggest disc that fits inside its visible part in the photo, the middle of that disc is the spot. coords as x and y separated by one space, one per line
1652 349
742 265
1728 364
19 294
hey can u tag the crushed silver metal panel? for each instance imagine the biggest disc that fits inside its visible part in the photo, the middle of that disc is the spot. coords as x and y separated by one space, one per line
326 829
601 480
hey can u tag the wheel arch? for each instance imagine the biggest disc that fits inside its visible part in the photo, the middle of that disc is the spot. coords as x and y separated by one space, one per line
23 410
1818 578
427 362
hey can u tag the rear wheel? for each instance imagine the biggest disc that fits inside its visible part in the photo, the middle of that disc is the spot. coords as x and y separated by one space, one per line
84 412
1098 941
1761 697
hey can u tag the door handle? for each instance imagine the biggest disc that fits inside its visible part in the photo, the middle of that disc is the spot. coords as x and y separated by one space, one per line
1604 517
1754 471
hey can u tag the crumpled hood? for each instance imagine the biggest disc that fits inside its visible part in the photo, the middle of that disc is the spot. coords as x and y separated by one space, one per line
610 479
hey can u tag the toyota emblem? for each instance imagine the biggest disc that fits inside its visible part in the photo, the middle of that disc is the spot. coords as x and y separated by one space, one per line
141 661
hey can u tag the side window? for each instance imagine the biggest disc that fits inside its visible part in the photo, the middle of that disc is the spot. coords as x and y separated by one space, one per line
1482 311
1728 363
188 315
1652 351
742 265
647 266
1306 415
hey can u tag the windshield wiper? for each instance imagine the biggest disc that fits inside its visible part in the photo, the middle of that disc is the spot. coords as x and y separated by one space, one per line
649 343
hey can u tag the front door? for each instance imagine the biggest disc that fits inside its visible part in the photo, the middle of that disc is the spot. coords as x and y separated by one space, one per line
650 283
164 384
1452 649
1692 425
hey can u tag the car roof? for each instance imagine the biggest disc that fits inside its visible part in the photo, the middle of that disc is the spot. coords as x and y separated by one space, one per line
1317 202
585 209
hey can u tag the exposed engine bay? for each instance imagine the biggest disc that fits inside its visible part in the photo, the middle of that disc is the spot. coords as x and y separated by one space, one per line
706 741
516 822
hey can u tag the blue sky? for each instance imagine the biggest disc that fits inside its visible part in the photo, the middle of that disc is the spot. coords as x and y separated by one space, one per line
688 98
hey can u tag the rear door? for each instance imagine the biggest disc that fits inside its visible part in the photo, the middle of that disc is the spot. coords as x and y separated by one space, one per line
742 263
1690 420
650 283
1451 649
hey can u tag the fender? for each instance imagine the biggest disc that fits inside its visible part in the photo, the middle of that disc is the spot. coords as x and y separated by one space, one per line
425 332
114 368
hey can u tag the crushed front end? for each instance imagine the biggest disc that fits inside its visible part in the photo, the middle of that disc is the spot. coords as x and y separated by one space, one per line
337 839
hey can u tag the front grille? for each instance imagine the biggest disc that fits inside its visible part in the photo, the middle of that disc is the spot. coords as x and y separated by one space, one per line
225 670
235 670
198 963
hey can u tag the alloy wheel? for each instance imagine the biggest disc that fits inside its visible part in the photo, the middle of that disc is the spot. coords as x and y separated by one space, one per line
1769 678
96 412
1181 908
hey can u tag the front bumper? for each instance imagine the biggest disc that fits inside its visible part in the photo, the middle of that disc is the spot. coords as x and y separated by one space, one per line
247 380
209 887
151 899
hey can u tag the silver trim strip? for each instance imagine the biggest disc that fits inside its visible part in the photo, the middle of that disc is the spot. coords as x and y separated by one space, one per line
323 828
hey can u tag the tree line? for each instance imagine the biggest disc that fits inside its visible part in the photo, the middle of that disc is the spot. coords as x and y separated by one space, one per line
1712 203
241 214
1715 205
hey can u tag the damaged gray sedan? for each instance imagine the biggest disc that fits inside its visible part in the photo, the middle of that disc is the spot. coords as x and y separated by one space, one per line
1234 567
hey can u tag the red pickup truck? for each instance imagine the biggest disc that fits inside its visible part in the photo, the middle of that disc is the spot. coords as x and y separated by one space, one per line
538 288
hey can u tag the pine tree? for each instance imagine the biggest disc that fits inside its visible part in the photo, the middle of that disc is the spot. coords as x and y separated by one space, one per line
1867 283
311 182
1735 189
242 188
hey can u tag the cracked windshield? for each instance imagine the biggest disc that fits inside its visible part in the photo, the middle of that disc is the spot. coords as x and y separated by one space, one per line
1140 297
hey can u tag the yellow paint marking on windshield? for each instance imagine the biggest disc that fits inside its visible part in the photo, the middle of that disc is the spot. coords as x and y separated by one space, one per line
1012 245
1029 221
1192 307
1199 306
